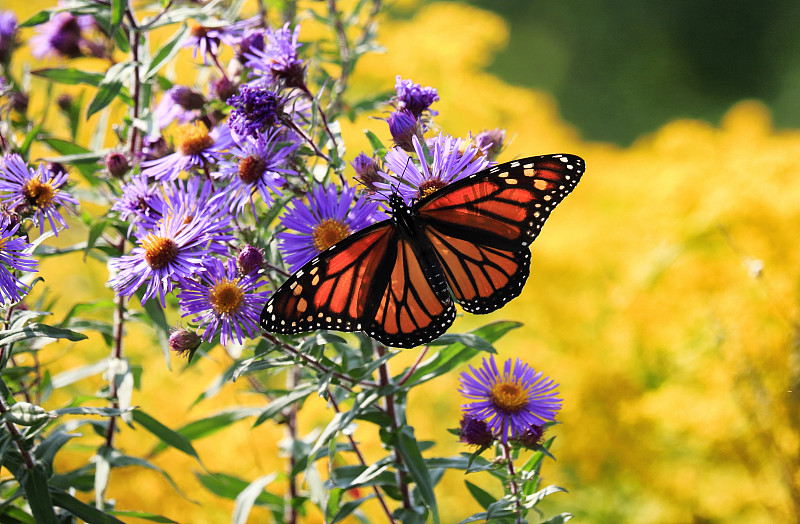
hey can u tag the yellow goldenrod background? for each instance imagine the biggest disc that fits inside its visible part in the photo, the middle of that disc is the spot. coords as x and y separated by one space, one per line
663 297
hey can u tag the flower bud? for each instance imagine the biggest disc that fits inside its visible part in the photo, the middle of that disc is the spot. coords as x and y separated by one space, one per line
184 341
403 127
475 432
491 142
366 171
250 259
117 164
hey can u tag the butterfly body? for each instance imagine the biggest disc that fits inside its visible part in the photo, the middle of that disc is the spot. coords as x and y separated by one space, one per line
398 280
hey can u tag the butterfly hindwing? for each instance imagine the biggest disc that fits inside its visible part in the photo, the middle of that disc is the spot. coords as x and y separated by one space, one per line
480 227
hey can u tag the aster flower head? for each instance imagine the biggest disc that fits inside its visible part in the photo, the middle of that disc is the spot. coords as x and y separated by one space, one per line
206 39
169 254
491 142
180 103
404 128
223 301
448 163
257 166
511 401
62 36
155 146
38 192
140 200
277 59
15 255
328 218
252 41
256 111
195 146
414 97
8 34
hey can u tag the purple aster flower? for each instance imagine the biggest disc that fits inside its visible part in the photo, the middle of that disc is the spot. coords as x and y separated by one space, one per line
404 129
184 342
509 402
8 34
326 219
252 41
277 60
475 432
37 192
62 36
116 163
256 111
223 301
195 146
140 200
257 166
154 146
171 253
414 97
15 255
206 39
180 103
449 164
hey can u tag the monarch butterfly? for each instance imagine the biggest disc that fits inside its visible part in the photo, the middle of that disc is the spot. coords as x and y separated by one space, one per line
397 280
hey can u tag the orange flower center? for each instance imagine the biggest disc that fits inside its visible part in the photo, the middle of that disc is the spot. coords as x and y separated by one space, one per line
329 232
429 187
509 397
251 169
159 252
38 193
196 29
226 297
193 138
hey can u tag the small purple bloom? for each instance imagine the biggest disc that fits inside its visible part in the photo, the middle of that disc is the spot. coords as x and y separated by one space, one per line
327 218
223 301
206 39
404 128
257 166
251 42
37 192
491 142
195 146
116 163
184 342
366 171
278 60
449 164
256 111
15 255
180 103
171 253
414 97
510 402
250 259
8 34
62 36
475 432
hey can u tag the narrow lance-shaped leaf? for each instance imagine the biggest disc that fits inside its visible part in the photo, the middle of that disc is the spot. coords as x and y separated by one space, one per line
412 458
109 88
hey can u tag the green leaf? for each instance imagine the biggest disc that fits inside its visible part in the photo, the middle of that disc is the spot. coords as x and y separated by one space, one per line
10 336
34 483
159 323
375 142
558 519
165 434
86 410
348 507
412 458
26 414
108 89
481 497
532 500
229 487
166 52
70 76
280 403
206 426
246 499
83 511
95 232
32 135
117 12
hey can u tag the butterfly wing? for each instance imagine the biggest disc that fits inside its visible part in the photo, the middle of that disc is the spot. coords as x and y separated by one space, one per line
371 281
480 227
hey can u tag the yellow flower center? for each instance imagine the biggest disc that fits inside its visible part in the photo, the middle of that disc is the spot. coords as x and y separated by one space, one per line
38 193
3 242
509 397
329 232
196 29
159 251
251 169
429 187
226 297
193 138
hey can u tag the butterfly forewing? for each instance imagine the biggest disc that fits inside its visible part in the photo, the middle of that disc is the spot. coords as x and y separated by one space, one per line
481 226
330 291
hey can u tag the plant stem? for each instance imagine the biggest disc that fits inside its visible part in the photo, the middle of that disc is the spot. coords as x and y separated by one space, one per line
512 482
290 512
363 462
383 371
